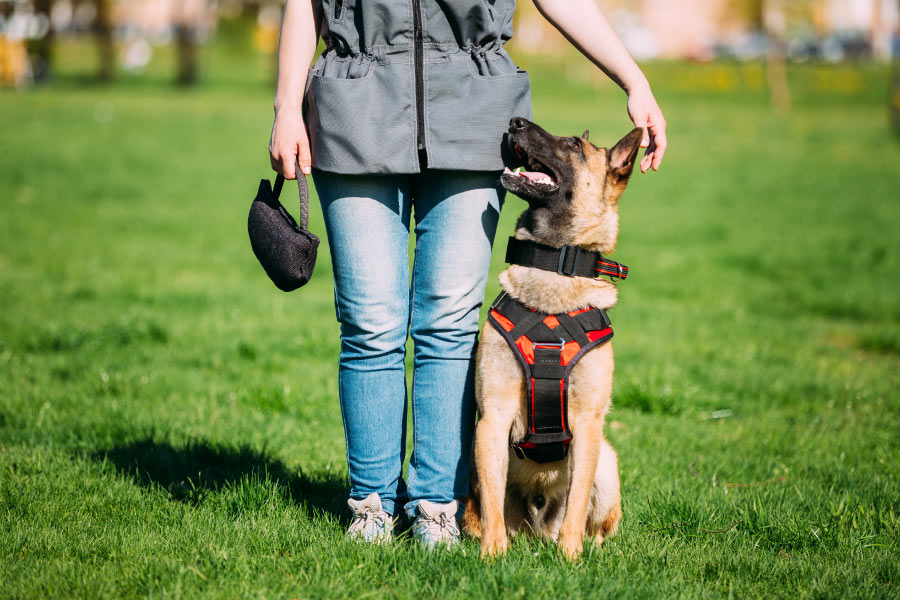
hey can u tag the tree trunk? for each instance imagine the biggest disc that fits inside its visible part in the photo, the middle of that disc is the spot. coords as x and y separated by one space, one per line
775 23
187 55
895 81
42 49
103 30
189 17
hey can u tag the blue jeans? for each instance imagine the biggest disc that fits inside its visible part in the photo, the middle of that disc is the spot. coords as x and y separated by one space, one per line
367 218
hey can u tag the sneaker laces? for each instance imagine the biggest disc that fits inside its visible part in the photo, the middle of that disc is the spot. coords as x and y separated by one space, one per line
441 525
361 519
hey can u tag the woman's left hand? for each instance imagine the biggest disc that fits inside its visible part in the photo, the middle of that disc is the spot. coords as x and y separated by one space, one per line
645 112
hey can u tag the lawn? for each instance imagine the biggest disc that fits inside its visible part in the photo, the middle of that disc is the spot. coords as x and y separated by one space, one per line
168 420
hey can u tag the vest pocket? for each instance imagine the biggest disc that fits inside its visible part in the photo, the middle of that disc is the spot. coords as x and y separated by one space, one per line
489 65
469 114
362 124
344 69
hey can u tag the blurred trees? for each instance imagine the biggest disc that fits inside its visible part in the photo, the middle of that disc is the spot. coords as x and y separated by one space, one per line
748 11
42 48
187 20
772 17
103 31
894 97
774 22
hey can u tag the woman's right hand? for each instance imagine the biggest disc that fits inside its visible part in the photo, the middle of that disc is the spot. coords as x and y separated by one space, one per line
289 141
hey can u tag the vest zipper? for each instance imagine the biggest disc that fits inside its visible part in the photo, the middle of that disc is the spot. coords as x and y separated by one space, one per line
418 57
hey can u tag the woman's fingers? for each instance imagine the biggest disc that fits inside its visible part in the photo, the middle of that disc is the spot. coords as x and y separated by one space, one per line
284 162
658 131
639 118
289 146
288 162
659 152
303 154
641 121
647 160
645 112
276 164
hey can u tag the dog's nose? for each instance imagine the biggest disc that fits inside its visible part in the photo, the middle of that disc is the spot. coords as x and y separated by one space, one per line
517 123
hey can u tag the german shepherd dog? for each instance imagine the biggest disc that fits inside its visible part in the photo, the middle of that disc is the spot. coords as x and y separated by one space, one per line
572 195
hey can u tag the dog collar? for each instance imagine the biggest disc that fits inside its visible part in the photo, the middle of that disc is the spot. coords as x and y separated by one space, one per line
571 261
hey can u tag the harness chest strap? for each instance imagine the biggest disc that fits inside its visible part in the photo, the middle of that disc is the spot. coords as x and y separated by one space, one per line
547 346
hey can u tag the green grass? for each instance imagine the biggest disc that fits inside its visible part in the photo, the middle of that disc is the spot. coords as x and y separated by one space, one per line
168 420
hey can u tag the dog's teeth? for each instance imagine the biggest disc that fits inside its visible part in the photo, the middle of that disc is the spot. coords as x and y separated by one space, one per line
506 170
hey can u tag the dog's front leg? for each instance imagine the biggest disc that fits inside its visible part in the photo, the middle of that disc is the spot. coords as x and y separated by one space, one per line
492 461
583 454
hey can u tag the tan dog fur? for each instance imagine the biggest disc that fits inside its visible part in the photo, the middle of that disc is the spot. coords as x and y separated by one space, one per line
581 493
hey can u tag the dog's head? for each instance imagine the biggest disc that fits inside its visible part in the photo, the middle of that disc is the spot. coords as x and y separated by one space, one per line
572 188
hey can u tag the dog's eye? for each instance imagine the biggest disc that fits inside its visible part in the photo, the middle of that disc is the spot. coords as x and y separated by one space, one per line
573 143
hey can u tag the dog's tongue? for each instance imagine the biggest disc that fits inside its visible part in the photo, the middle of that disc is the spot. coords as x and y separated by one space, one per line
535 176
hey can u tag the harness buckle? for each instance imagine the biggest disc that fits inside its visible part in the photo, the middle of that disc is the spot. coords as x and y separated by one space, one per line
620 270
618 275
551 345
499 299
563 256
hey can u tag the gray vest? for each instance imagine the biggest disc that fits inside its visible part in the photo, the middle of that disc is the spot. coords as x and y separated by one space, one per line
400 78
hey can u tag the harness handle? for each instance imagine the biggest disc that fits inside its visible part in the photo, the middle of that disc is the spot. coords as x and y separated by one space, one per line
303 188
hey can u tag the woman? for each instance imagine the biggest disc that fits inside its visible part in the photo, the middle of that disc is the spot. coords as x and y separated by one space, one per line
404 117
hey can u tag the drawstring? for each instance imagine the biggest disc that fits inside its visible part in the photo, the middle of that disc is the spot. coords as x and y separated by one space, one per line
446 522
366 515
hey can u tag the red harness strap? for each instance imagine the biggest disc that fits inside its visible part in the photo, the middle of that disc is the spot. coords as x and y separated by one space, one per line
547 346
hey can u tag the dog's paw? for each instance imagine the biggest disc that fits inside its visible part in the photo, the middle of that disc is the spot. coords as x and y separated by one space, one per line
494 546
571 546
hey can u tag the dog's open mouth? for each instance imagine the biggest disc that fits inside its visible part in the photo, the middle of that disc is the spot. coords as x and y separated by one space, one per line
540 177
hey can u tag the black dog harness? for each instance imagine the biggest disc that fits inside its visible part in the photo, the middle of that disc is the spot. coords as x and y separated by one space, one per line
549 345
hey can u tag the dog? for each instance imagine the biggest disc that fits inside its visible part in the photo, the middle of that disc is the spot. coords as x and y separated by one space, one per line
572 195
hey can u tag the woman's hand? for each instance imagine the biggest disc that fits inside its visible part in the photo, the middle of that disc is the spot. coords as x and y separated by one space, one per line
645 112
583 24
289 143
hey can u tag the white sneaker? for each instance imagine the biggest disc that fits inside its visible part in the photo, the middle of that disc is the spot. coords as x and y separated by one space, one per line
370 523
436 524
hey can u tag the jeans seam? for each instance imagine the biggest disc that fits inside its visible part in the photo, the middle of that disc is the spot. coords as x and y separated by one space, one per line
413 459
344 423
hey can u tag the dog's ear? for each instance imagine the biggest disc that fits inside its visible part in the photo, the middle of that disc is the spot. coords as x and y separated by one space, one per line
623 154
585 135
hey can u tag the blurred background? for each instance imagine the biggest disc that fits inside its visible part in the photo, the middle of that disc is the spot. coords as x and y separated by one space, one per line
169 422
36 36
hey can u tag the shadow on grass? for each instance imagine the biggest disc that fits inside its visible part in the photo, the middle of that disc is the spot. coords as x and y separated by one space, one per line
191 472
